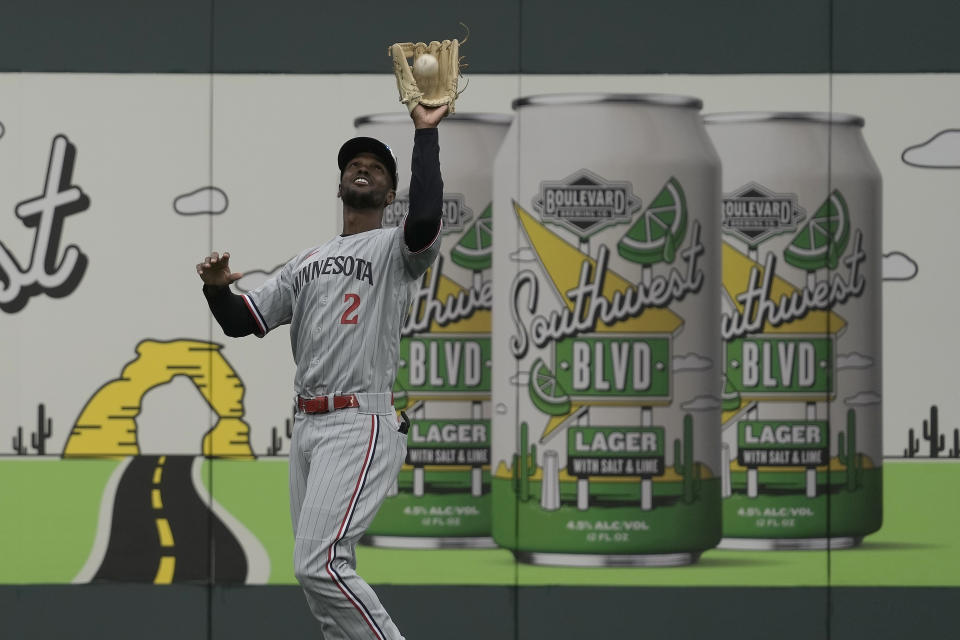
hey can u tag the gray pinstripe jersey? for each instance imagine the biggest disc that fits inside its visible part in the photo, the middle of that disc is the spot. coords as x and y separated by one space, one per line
345 301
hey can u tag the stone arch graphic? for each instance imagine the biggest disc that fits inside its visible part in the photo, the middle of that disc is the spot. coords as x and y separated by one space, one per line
107 425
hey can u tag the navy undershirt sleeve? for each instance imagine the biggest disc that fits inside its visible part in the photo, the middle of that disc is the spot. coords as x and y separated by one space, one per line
230 311
426 191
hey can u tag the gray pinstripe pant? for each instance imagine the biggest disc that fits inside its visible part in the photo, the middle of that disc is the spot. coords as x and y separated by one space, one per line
341 465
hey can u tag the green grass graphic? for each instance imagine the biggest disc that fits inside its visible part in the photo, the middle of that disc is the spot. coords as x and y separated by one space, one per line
48 517
50 510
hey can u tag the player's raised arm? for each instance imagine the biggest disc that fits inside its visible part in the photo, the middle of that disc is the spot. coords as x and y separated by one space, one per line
426 183
428 117
227 307
214 270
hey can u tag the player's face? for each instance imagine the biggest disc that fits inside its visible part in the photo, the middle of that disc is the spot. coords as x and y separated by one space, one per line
366 183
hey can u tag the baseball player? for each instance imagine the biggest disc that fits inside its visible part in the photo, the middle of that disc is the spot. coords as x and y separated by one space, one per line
345 301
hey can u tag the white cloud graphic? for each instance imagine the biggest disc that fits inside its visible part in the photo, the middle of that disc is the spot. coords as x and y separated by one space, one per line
701 403
203 200
524 254
691 362
854 361
256 277
899 266
863 399
942 151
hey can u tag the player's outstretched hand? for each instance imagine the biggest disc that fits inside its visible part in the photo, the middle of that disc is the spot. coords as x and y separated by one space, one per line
215 270
428 117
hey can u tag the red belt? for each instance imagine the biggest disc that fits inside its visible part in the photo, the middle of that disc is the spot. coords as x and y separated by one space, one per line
321 404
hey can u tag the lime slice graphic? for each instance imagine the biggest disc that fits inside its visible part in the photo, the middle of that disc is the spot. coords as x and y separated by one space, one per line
659 230
729 397
820 243
545 392
475 249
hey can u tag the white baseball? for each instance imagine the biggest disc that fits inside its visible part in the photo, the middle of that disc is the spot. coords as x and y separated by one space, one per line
426 66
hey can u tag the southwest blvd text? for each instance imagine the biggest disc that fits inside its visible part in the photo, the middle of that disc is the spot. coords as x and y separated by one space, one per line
759 307
47 272
589 304
426 308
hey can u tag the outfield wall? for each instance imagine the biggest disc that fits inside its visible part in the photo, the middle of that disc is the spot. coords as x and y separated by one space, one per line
173 129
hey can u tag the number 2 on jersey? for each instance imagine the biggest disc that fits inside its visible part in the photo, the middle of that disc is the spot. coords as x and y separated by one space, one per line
350 314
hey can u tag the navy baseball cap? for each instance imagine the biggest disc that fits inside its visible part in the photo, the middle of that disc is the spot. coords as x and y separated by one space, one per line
355 146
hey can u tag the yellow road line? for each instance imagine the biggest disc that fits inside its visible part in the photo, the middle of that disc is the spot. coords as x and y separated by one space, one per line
162 460
155 499
163 530
165 570
157 473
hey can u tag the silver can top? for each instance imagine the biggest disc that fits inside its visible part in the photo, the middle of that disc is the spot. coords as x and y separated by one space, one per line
399 118
824 117
659 99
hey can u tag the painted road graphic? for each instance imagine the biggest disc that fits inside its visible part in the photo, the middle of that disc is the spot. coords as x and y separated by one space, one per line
162 532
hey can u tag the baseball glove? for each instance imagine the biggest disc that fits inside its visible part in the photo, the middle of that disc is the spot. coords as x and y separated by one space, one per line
431 89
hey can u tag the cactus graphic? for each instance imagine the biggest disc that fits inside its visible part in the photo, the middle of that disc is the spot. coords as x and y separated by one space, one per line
276 442
18 446
524 465
689 470
931 433
913 445
847 453
38 440
955 451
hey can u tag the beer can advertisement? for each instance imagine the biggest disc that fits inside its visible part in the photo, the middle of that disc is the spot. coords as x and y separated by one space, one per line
442 497
688 344
802 423
606 366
